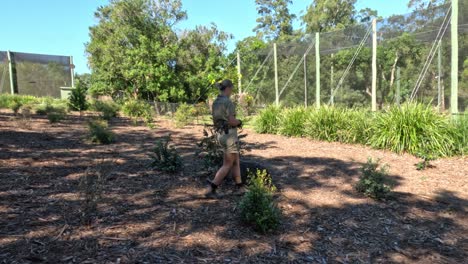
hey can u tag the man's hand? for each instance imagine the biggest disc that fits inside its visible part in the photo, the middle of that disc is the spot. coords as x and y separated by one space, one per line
240 124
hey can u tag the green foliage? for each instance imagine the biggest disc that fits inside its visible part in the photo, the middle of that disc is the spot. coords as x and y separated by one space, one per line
165 157
15 102
413 128
56 115
268 120
274 19
338 124
184 115
107 109
138 109
292 122
373 181
99 132
209 146
257 207
460 125
77 100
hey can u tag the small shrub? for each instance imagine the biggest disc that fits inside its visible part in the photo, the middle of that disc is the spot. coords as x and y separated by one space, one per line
137 109
55 116
99 132
268 120
107 109
90 190
77 100
16 104
184 115
209 146
165 157
372 182
292 122
257 206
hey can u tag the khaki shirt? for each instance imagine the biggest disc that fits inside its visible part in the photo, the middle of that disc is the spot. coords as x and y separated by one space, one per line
222 108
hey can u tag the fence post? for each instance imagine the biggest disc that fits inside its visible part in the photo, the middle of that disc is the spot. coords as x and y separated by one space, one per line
10 70
305 80
239 75
454 74
374 65
398 86
332 98
276 73
317 69
72 72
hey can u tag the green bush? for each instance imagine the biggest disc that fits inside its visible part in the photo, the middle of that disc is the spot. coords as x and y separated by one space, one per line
326 123
257 207
413 128
460 134
292 122
15 102
107 109
165 157
55 116
137 109
268 120
99 132
184 115
77 100
373 181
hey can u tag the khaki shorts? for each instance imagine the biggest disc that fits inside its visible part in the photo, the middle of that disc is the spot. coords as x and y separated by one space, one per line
229 142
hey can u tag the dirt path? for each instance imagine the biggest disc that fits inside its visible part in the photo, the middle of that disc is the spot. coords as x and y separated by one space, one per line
150 217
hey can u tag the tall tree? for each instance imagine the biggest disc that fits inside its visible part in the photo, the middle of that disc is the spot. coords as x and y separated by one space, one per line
200 60
274 20
133 46
326 15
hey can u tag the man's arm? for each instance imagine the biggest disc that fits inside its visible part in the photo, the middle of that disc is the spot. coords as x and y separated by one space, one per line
232 121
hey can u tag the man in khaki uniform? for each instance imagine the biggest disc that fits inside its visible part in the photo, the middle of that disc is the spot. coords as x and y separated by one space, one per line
226 124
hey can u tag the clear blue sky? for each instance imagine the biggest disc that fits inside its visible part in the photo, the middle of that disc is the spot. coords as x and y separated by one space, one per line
60 27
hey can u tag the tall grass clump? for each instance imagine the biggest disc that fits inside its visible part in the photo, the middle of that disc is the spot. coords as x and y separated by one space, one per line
461 134
292 123
338 124
15 102
268 120
413 128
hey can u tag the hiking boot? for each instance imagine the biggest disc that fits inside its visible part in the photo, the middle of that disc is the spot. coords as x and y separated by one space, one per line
210 191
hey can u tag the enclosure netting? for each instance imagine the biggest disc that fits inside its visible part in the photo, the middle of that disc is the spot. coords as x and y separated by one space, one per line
36 74
409 66
4 73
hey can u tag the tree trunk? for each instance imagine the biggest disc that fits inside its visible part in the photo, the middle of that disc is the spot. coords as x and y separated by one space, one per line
392 74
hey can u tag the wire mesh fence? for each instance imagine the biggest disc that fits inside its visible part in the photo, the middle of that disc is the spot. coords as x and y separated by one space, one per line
413 58
4 73
35 74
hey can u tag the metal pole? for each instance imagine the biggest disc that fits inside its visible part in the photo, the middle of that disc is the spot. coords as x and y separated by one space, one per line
276 74
398 86
239 75
374 65
317 70
72 72
439 77
305 80
454 74
10 69
332 81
